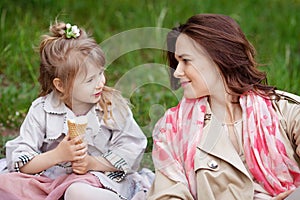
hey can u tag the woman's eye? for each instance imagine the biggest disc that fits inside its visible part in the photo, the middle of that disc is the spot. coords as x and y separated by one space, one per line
185 60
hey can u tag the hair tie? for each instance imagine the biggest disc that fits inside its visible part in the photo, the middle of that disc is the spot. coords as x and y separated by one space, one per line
72 31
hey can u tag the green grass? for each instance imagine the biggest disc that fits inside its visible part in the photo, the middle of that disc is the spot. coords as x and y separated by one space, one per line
271 25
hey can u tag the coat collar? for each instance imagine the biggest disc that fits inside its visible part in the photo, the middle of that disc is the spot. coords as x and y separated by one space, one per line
53 105
215 142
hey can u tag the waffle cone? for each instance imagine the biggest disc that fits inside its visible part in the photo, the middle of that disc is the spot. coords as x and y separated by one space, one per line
77 126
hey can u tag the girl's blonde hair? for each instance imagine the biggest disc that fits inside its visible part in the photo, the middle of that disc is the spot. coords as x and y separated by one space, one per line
63 58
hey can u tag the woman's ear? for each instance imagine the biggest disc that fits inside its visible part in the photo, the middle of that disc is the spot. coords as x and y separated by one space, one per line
58 84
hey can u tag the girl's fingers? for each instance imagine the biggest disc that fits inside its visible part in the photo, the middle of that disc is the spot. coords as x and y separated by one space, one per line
81 147
79 139
78 163
66 137
79 171
80 154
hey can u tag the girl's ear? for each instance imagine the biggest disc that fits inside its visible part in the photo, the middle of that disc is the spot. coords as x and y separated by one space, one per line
58 84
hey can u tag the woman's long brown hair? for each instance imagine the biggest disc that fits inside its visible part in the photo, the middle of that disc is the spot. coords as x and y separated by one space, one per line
228 47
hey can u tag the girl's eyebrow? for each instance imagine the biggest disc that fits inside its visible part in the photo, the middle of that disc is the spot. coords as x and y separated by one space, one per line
90 77
93 75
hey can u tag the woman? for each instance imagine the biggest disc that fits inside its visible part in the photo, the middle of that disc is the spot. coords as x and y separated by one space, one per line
232 136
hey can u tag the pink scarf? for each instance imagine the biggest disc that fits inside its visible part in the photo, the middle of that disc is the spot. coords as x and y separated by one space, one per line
177 135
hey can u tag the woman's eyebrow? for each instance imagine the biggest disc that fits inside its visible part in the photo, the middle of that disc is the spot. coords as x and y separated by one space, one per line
181 55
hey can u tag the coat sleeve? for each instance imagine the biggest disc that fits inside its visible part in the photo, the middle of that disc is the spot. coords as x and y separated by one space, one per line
289 108
126 145
23 148
164 188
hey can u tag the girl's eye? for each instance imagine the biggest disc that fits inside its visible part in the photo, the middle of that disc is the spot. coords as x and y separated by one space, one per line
89 80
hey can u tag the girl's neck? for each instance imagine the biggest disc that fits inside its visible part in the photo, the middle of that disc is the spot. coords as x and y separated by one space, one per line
81 109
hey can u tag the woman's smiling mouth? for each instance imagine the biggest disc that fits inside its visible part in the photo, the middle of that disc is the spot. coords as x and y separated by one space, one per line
184 83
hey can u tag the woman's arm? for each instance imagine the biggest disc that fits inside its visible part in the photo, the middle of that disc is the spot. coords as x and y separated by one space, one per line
289 107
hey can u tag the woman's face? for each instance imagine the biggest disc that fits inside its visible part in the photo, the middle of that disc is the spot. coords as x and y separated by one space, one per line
197 72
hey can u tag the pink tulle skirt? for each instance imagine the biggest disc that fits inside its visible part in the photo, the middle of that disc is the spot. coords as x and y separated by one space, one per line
20 186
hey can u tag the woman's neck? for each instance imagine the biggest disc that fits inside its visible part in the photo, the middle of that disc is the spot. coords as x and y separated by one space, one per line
225 107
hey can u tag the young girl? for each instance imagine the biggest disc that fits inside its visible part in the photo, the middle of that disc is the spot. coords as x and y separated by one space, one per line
53 165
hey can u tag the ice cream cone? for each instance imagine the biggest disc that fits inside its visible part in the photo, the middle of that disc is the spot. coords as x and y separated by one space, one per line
77 126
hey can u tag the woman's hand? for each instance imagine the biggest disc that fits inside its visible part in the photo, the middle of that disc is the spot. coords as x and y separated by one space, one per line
71 150
283 195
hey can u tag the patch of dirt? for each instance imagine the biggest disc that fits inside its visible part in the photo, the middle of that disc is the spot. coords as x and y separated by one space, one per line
9 132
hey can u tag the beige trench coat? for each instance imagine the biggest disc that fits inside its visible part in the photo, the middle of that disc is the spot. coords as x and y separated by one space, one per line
220 172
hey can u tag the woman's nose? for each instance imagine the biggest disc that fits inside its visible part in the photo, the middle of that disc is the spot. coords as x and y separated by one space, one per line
179 71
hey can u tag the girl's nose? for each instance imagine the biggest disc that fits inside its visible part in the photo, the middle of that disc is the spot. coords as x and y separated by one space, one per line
101 81
179 71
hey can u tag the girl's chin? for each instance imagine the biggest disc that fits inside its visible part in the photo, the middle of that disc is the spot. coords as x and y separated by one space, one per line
97 99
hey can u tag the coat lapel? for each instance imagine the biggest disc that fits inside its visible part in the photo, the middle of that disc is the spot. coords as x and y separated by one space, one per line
215 142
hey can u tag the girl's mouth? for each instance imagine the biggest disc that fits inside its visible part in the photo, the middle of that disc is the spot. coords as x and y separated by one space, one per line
98 94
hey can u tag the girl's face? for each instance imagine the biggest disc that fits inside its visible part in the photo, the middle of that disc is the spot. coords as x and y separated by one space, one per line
88 87
197 72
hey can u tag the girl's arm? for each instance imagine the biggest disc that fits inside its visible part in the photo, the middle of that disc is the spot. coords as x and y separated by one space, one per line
27 145
92 163
126 144
66 151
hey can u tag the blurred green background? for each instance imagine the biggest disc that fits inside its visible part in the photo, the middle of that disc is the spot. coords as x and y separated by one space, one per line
271 25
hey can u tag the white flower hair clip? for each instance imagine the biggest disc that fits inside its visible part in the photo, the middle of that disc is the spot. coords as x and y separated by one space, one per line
72 31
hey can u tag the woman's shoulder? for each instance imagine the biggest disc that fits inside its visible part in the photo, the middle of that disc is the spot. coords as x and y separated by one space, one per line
287 104
286 96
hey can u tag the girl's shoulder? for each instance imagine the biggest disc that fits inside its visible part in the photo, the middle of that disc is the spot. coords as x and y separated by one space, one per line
115 103
38 101
115 109
49 103
37 104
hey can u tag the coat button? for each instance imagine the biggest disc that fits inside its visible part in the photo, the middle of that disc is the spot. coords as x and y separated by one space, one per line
212 164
